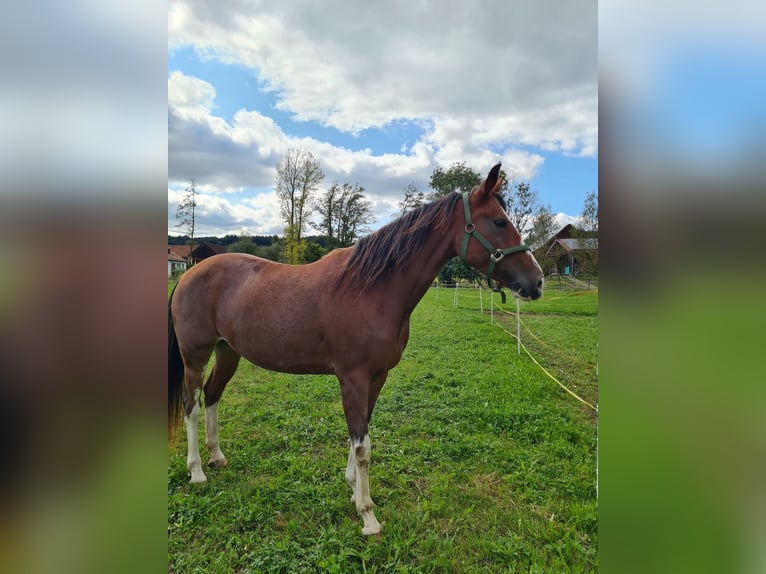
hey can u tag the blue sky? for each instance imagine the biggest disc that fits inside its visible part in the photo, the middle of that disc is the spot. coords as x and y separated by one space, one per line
684 88
381 98
707 105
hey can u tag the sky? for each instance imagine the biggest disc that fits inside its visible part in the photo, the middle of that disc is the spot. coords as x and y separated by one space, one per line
381 95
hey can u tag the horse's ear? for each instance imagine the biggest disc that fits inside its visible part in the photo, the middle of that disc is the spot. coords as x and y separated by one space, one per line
493 182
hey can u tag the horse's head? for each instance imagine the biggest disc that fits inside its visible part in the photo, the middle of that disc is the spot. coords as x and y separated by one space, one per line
491 244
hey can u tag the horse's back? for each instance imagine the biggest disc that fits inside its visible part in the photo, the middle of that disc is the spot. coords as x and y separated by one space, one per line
271 313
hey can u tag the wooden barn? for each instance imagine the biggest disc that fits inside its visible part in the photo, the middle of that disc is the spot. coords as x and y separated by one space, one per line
205 250
569 251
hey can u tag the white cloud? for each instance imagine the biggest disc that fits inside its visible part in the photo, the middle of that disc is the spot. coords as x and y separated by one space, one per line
500 82
563 219
527 68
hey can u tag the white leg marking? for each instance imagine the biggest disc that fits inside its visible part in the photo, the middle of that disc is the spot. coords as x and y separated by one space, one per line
351 472
362 497
193 461
211 437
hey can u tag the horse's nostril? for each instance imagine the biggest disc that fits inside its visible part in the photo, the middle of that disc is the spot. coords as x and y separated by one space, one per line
540 284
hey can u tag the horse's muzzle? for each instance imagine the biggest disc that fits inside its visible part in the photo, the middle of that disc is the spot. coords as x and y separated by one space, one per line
528 290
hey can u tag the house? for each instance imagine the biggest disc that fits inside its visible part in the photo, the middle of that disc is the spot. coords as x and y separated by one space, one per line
567 251
181 256
175 261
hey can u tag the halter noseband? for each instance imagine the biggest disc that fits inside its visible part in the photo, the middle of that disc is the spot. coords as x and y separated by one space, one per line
495 255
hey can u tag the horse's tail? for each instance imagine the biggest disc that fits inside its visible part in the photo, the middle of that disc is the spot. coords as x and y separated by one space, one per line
175 375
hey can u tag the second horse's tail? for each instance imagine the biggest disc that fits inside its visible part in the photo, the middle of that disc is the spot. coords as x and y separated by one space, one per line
175 375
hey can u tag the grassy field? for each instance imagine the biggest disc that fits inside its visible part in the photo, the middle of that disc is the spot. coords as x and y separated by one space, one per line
480 463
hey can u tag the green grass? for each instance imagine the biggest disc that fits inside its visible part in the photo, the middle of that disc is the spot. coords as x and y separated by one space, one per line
559 330
480 463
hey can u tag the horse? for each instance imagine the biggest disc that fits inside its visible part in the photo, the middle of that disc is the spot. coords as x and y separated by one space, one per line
347 314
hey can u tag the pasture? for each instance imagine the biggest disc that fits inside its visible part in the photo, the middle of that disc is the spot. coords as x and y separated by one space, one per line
480 462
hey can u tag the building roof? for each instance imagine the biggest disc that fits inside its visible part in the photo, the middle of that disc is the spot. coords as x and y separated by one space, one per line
175 257
579 244
562 232
213 248
180 250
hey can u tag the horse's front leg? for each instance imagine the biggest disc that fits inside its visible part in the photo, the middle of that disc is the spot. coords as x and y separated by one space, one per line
355 391
361 497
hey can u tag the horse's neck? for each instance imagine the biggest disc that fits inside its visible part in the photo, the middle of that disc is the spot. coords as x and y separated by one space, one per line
418 273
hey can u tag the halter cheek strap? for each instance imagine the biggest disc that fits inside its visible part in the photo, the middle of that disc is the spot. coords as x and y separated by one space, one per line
495 255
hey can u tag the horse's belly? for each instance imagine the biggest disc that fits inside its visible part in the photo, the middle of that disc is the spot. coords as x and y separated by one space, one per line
286 356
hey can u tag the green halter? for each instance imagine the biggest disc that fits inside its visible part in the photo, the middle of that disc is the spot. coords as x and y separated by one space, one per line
495 255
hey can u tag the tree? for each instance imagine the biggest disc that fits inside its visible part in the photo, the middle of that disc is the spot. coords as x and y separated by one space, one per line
345 212
293 247
297 180
588 258
459 177
186 214
327 210
313 252
589 215
243 245
543 225
412 199
522 202
354 214
456 269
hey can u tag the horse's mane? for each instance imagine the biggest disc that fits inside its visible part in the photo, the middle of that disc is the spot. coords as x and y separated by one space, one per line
375 255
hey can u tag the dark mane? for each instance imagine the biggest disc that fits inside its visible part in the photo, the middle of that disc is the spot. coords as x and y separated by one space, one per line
377 254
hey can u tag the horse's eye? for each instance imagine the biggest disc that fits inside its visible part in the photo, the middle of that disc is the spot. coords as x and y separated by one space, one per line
501 222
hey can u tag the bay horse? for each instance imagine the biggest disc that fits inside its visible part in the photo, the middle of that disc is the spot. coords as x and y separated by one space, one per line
347 314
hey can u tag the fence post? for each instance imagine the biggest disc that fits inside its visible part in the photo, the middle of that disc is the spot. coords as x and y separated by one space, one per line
437 290
454 300
481 300
491 307
518 328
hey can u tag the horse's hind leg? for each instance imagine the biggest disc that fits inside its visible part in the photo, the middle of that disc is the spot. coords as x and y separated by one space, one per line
226 361
192 392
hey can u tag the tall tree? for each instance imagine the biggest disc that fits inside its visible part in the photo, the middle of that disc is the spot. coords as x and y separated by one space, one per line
458 177
522 203
353 214
293 247
543 225
326 208
589 215
345 213
412 199
297 181
588 258
186 214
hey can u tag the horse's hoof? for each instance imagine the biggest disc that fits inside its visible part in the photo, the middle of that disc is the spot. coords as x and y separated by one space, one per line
370 530
217 463
198 479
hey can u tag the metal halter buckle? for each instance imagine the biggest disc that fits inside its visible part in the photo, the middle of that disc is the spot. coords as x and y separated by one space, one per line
496 255
470 228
